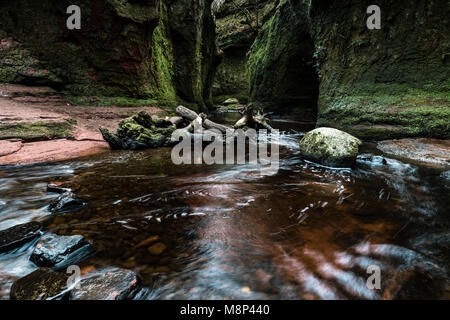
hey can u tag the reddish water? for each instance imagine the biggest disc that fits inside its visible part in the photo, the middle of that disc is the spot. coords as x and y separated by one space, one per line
307 232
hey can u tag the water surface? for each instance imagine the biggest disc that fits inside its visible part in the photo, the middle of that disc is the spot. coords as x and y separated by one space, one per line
306 232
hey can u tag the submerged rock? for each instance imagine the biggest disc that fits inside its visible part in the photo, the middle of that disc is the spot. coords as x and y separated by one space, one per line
17 236
372 160
445 175
57 187
140 131
330 147
41 284
68 201
157 249
59 252
107 284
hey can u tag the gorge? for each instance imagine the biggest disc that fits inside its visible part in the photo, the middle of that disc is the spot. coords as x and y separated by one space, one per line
364 149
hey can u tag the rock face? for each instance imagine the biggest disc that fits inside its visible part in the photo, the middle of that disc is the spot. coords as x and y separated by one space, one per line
41 284
107 284
280 64
237 24
141 131
59 252
17 236
330 147
66 202
139 48
375 84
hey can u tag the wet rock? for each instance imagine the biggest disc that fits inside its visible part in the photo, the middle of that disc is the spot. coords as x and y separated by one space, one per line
157 249
107 284
177 121
113 140
66 202
57 187
59 252
17 236
372 160
330 147
445 175
433 152
41 284
230 101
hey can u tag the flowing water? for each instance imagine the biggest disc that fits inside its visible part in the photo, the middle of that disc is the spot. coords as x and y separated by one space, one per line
306 232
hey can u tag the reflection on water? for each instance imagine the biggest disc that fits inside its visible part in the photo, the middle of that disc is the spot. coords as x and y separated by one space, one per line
307 232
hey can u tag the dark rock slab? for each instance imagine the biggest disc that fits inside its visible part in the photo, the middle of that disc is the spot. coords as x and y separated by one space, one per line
39 285
445 175
57 187
430 152
17 236
66 202
107 284
59 252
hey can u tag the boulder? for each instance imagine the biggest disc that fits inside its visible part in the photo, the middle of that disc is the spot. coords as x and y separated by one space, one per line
107 284
41 284
330 147
66 202
17 236
59 252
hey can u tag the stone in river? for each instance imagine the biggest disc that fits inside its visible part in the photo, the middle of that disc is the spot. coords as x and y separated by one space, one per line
59 252
157 249
66 202
41 284
445 175
330 147
107 284
57 187
17 236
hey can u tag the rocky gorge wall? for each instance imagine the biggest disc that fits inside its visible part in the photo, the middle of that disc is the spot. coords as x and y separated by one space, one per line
137 48
237 25
375 84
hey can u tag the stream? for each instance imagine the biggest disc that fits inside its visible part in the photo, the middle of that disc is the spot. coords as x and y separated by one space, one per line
306 232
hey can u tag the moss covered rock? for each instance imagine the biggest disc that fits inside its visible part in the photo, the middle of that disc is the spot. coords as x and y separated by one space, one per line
140 131
157 49
330 147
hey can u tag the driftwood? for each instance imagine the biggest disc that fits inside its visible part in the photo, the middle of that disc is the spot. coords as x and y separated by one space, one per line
190 115
251 119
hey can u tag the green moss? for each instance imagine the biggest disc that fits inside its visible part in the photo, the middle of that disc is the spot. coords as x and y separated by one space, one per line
134 11
163 68
111 101
37 131
144 129
388 112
